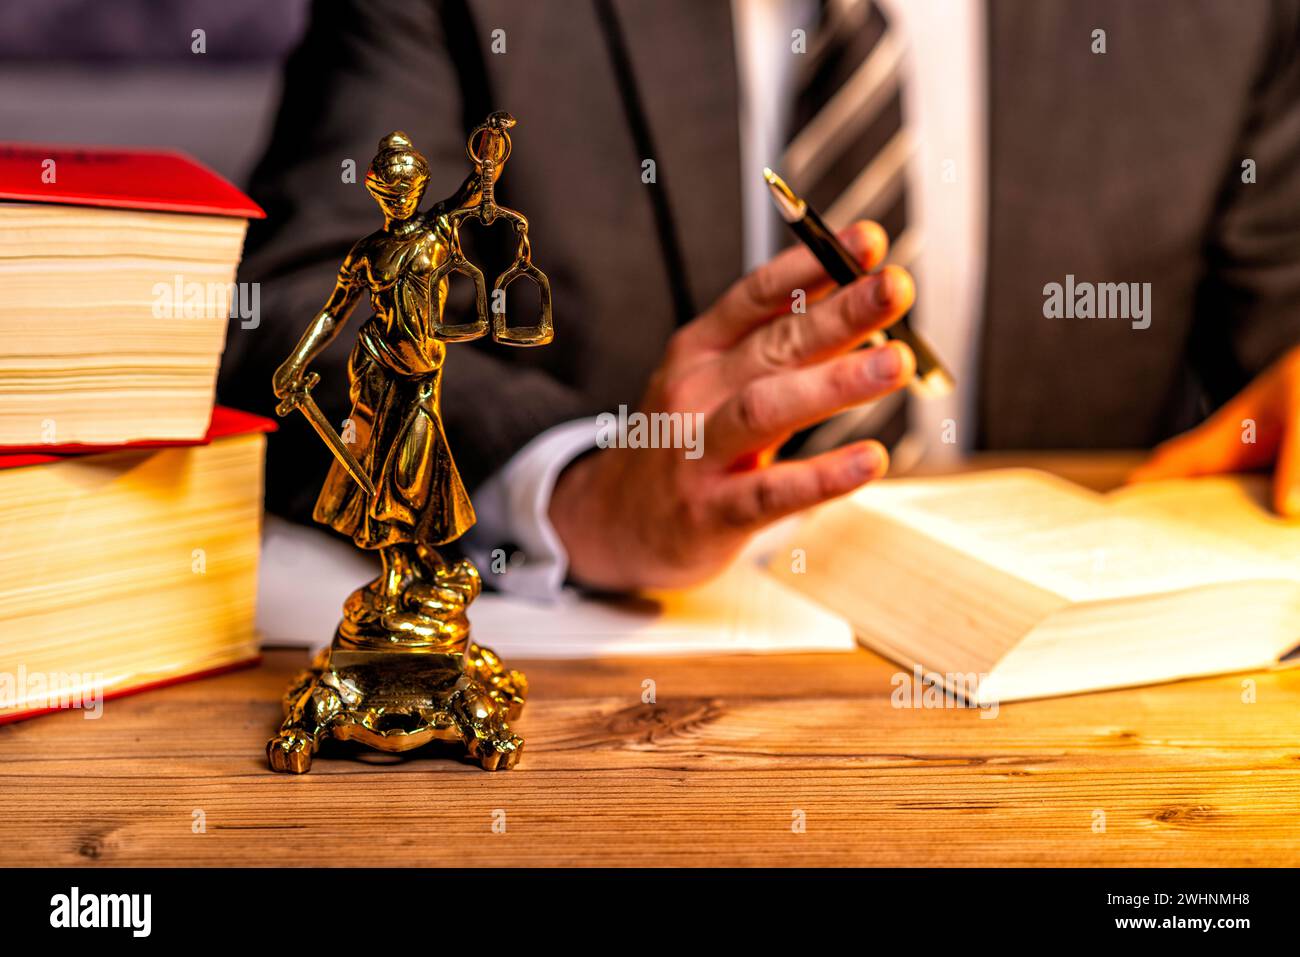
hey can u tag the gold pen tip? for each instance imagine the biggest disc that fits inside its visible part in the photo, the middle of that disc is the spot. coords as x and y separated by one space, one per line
935 383
790 205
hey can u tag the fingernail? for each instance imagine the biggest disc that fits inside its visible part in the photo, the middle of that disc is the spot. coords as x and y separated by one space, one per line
866 462
885 364
884 292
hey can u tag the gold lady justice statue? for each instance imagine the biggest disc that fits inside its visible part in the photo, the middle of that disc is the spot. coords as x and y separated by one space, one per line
402 670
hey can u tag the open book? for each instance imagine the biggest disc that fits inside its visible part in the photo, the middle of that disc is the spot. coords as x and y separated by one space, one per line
1015 584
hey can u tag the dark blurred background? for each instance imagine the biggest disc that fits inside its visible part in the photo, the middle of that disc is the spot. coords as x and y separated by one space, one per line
124 73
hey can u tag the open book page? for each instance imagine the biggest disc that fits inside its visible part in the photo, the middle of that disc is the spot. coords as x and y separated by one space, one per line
1065 539
1237 507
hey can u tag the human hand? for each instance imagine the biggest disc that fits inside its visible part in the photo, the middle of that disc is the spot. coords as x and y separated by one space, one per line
290 378
1258 427
754 373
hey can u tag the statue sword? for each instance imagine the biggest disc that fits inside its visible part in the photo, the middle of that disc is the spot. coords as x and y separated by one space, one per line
304 403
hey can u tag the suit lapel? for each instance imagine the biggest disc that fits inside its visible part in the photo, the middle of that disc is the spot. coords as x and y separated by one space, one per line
682 59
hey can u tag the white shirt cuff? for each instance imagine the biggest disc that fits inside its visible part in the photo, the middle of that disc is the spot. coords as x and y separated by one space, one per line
513 543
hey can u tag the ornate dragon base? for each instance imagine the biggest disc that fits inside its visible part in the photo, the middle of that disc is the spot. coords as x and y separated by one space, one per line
402 672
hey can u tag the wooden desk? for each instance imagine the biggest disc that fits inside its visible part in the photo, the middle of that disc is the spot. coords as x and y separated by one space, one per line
712 774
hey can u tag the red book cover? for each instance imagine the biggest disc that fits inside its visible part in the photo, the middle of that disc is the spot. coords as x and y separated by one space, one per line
128 690
162 180
224 422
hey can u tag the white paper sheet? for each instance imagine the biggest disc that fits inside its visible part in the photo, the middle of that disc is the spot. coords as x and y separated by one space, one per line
306 574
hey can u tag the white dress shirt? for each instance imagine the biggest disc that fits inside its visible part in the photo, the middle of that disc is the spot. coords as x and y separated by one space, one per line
944 104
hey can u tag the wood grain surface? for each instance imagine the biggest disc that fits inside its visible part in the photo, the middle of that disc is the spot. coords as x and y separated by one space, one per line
714 772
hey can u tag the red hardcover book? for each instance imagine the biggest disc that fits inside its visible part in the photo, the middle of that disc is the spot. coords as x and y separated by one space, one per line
225 421
146 616
86 276
163 180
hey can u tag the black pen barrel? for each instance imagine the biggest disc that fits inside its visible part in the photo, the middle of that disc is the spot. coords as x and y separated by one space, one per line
839 263
830 252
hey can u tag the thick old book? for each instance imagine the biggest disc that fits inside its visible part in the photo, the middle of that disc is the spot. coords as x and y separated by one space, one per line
126 569
117 271
1015 584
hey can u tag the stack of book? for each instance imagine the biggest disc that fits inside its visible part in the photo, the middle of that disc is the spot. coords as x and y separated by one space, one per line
129 507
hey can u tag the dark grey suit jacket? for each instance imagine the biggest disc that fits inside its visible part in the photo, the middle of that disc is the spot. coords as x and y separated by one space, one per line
1116 167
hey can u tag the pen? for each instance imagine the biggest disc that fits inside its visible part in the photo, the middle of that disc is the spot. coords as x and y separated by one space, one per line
931 378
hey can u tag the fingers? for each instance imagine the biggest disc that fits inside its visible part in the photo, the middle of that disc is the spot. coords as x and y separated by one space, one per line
1239 437
753 499
768 410
1257 428
1286 477
766 291
1204 450
843 321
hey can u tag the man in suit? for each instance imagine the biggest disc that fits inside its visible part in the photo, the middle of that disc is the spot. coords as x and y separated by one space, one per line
1155 146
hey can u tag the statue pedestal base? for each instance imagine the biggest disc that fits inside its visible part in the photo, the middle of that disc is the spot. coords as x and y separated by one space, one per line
395 694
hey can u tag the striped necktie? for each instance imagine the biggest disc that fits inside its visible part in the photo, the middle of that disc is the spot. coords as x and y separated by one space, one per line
848 156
